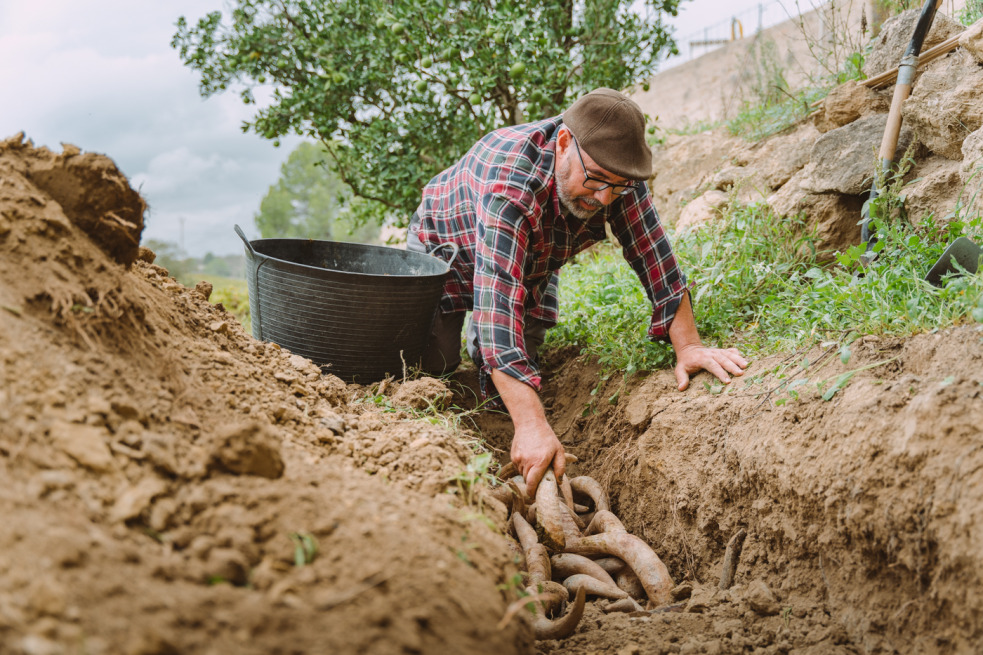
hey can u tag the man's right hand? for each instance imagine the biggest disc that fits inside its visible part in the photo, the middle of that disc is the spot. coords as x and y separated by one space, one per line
534 450
534 446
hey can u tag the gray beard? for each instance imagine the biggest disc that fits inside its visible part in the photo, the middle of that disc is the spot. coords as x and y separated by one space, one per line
568 202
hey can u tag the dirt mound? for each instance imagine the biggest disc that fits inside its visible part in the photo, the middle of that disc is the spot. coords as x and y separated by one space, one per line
860 510
172 485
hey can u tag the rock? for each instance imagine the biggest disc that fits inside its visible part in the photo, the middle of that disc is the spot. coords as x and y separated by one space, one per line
331 421
681 591
936 189
47 596
683 165
47 481
147 255
848 102
946 105
333 389
204 289
972 150
701 601
972 41
422 394
83 443
761 599
250 449
137 498
895 36
702 210
836 218
287 377
303 365
845 158
779 158
728 177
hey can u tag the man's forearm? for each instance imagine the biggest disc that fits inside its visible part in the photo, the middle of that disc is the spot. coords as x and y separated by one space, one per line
520 399
535 447
682 331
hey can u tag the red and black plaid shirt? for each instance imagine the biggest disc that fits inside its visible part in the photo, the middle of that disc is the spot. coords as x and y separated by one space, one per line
499 204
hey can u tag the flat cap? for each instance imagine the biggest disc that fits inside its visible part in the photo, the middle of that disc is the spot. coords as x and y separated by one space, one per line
610 128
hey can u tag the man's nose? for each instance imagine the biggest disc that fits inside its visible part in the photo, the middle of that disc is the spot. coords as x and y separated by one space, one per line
605 196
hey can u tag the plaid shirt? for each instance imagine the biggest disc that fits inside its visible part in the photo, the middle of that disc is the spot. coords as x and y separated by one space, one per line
499 204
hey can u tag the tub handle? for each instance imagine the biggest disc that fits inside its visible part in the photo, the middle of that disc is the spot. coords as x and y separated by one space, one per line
454 248
242 235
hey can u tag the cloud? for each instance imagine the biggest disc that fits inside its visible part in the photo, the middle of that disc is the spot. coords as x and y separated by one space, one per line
102 75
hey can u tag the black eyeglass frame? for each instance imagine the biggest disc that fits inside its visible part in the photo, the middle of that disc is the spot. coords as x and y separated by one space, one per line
625 189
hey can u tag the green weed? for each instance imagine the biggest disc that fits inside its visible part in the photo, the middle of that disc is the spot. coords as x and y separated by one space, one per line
758 282
305 548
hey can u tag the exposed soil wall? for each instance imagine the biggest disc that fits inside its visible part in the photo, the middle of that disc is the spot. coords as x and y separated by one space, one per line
861 511
156 461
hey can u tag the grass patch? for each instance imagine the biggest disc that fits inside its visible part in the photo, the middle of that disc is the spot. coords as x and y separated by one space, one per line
758 282
761 120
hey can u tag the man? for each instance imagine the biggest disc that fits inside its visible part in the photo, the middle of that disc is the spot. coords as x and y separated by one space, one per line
521 203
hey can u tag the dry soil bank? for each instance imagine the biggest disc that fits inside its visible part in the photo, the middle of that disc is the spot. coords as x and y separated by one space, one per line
163 471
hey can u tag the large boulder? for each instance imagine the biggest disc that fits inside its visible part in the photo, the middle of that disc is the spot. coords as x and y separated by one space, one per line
935 190
777 159
684 166
835 216
972 40
845 158
946 104
848 102
895 36
702 210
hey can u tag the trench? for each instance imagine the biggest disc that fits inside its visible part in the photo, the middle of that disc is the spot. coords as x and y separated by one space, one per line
860 533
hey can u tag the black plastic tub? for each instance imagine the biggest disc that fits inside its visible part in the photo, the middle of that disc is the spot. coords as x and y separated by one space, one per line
359 312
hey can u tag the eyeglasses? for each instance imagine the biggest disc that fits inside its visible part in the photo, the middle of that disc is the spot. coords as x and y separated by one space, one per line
595 184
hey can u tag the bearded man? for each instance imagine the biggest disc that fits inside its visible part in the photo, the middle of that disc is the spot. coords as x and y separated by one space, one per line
521 203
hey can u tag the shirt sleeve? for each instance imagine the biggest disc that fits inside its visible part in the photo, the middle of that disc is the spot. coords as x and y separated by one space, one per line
503 237
646 248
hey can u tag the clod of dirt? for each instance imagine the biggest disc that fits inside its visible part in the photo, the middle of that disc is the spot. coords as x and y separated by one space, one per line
204 289
761 599
92 192
422 393
249 449
83 443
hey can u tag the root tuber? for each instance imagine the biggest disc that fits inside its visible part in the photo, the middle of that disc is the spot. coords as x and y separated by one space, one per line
650 570
563 627
549 517
564 565
593 586
591 488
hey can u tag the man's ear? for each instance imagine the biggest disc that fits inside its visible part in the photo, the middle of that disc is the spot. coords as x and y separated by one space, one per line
562 140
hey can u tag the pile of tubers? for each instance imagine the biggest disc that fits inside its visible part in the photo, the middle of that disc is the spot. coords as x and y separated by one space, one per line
574 550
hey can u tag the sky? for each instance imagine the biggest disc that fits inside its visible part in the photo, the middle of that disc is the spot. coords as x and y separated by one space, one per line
101 75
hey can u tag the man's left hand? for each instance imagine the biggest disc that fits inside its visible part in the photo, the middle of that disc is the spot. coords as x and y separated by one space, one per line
722 362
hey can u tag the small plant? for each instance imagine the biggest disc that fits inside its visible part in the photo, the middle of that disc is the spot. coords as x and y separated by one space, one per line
971 13
476 473
305 548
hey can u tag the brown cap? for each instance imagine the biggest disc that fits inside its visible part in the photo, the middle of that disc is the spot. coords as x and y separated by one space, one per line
611 129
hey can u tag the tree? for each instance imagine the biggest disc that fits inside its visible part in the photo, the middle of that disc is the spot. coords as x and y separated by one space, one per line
398 91
309 201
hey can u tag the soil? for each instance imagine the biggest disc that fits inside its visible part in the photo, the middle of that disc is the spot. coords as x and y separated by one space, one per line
171 485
